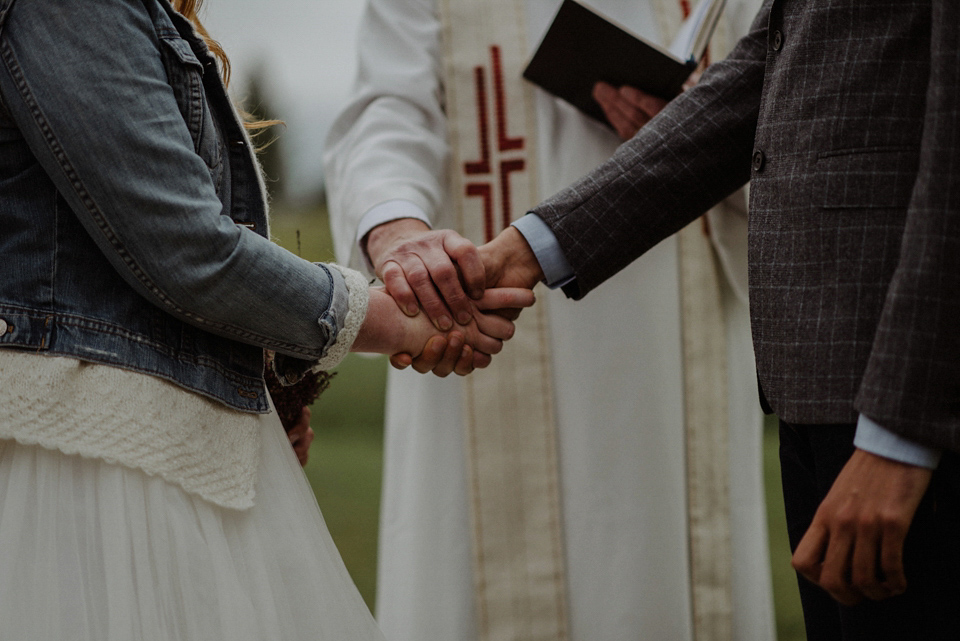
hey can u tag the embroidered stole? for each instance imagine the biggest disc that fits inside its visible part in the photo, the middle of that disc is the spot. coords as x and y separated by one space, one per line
706 416
512 465
511 440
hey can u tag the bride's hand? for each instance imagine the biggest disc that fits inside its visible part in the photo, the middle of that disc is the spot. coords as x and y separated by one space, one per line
415 341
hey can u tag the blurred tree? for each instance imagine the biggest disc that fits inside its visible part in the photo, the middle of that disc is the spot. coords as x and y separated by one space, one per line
256 102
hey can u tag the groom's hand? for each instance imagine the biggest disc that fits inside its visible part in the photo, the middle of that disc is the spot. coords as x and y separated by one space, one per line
421 267
853 549
508 261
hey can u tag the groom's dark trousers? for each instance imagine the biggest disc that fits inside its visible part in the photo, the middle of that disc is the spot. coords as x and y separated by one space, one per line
811 456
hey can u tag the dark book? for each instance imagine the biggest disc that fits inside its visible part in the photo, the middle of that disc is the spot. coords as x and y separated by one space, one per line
582 47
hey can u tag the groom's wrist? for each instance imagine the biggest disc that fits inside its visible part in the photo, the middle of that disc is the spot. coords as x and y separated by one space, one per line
554 267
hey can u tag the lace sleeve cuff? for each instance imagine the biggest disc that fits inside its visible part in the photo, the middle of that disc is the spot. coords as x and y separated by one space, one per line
348 308
357 298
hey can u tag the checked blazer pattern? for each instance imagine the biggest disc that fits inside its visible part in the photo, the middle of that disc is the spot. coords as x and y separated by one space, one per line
845 117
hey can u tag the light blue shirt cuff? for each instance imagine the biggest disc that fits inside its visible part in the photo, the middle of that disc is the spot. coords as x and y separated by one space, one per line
556 270
880 441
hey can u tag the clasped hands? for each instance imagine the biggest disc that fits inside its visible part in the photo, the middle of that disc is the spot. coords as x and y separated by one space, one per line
470 295
458 301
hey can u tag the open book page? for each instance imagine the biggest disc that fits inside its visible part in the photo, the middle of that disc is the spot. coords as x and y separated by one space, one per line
695 32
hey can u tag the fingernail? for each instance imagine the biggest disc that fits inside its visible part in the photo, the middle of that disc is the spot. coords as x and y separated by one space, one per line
476 294
463 318
455 341
444 323
412 310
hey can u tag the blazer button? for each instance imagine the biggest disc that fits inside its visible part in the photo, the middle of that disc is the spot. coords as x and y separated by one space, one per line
758 160
777 40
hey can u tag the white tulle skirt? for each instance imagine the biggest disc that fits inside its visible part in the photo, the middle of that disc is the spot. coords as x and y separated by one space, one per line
91 551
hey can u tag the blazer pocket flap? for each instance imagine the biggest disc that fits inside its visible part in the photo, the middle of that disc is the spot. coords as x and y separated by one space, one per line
867 178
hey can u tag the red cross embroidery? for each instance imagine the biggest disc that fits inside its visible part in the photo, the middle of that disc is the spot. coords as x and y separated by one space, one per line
501 167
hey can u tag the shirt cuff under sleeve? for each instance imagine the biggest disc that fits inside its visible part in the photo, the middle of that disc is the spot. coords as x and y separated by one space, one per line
556 270
878 440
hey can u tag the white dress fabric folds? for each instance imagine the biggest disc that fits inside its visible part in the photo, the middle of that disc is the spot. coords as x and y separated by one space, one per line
94 551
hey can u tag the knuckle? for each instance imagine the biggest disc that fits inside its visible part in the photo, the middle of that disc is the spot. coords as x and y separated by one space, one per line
418 276
833 584
892 521
445 273
864 580
389 269
867 523
802 566
846 520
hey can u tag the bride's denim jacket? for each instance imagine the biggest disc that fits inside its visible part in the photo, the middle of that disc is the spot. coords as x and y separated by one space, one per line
134 227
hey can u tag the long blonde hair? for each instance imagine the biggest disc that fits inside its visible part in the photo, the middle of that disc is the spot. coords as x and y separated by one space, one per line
189 9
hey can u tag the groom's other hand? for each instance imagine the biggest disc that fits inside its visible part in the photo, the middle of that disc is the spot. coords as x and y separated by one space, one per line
438 270
628 109
853 549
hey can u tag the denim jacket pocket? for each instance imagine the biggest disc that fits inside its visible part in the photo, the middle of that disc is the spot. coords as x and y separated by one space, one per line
185 74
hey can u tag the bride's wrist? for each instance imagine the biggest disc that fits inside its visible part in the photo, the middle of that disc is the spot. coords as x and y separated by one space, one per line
381 331
387 330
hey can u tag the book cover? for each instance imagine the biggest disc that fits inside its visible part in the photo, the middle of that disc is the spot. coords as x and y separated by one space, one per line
582 47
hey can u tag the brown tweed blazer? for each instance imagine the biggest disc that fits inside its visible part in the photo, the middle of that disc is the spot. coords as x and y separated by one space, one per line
845 117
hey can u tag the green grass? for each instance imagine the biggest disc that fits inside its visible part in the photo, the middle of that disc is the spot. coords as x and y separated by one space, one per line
786 596
346 463
346 458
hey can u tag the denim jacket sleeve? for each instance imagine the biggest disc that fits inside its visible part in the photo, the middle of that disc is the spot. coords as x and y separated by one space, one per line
85 84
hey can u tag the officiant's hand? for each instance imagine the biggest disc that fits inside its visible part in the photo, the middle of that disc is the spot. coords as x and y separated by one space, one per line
436 270
628 109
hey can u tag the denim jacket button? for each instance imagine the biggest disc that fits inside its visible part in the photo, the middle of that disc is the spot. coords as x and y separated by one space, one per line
3 327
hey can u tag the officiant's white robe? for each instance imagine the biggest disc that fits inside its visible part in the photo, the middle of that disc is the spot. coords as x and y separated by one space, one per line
617 371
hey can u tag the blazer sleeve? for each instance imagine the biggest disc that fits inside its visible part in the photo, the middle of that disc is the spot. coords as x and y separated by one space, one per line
643 193
912 382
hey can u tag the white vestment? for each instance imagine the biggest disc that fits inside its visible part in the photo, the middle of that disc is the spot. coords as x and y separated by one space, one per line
617 372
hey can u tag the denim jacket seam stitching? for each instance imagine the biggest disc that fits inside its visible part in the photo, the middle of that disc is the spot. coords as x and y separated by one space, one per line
70 320
56 247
